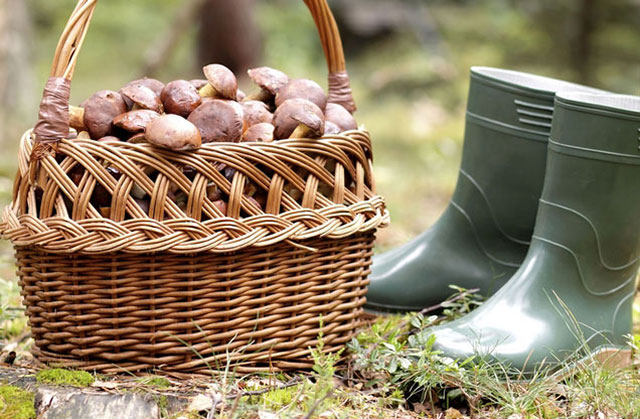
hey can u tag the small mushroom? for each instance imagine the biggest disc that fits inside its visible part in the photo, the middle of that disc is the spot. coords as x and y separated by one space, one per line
269 79
240 95
155 85
135 121
262 132
180 97
173 132
83 135
256 112
99 111
331 128
339 116
222 82
298 112
218 120
142 97
302 89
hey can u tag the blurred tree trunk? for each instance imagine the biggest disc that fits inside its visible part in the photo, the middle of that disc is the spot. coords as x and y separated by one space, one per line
229 34
582 50
16 75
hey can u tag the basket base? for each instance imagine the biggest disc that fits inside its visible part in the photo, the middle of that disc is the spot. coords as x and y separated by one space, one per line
257 310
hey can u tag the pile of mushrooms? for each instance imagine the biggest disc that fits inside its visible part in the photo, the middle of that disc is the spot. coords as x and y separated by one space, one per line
184 115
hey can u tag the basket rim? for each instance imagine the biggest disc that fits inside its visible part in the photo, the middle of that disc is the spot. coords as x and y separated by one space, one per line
185 235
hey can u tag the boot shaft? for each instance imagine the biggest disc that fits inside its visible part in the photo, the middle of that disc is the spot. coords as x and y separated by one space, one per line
592 186
508 122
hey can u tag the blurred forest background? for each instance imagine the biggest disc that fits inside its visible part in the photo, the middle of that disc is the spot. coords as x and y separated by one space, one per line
409 61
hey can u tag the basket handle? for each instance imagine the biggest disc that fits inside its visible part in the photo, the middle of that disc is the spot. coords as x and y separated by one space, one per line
53 117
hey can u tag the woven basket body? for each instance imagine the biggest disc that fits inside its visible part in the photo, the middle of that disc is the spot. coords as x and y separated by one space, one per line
188 289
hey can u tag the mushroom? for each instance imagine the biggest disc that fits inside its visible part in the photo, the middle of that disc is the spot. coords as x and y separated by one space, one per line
262 132
142 97
339 116
295 113
331 128
218 120
240 95
135 121
83 135
173 132
213 192
302 89
222 82
221 205
198 83
270 81
138 138
76 118
155 85
256 112
180 97
99 111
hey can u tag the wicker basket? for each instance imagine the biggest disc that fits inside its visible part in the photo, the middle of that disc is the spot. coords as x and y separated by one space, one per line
191 291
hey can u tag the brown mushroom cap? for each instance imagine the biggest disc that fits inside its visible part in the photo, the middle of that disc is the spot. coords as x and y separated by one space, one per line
135 121
173 132
256 112
180 97
262 132
302 89
222 80
218 120
142 96
340 116
99 111
294 112
269 79
155 85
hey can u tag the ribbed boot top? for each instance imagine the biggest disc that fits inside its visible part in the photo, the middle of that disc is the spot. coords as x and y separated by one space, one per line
515 100
604 125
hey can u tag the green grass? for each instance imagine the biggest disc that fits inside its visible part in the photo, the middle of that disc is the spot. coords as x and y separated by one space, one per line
16 403
63 377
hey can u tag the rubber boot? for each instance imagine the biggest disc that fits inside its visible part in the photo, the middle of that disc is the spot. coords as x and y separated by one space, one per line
482 237
573 293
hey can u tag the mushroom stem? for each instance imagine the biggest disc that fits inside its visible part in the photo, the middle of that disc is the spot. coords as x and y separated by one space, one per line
76 118
302 131
207 91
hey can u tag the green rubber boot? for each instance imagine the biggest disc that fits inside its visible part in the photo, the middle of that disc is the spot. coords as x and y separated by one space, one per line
483 235
574 290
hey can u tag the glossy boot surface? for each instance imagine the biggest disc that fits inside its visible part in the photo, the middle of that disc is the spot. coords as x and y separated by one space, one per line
575 289
483 235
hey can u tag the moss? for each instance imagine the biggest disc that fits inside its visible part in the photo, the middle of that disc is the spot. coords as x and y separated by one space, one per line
279 398
62 377
16 403
159 382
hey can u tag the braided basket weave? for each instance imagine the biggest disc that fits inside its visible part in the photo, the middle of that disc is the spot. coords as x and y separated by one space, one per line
191 291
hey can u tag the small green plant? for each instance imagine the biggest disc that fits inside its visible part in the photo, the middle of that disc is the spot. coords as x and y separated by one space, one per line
62 377
16 403
154 381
